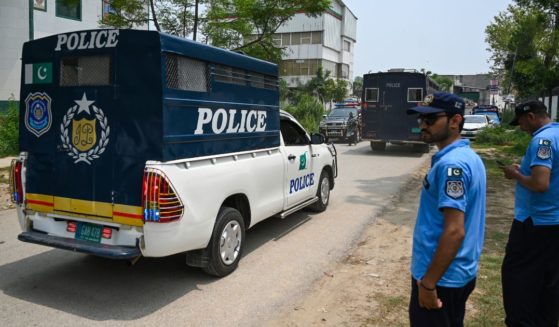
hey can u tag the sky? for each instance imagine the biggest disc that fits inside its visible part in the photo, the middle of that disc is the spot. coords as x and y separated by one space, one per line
446 37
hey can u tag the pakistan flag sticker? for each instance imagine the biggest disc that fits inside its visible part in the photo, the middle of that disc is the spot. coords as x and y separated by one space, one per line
303 161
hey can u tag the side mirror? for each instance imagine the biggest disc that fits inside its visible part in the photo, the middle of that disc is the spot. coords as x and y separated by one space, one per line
324 116
317 138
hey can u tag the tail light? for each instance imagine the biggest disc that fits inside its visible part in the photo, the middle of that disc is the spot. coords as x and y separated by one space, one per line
365 105
161 203
16 185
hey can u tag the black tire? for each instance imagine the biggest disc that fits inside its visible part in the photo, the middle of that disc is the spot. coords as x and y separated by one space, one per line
323 192
378 146
421 148
227 243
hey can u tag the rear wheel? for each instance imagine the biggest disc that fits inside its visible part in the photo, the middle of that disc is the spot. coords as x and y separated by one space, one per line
323 193
378 145
227 243
421 148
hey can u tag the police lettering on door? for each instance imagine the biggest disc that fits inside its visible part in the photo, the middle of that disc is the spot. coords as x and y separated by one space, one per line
301 183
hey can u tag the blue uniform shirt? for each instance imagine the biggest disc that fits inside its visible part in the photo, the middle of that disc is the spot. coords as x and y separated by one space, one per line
456 180
543 150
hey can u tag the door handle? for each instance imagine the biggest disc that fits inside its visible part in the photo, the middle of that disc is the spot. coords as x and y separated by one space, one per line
291 157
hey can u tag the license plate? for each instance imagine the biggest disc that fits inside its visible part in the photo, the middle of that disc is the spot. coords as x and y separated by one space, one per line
416 130
88 232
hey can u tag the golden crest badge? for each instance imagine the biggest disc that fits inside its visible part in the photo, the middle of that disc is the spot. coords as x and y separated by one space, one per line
83 145
84 135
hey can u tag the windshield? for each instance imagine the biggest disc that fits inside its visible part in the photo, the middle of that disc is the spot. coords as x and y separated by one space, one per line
492 115
475 119
342 113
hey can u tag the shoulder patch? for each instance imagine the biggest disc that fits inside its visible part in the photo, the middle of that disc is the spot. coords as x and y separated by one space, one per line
544 152
545 142
454 189
454 172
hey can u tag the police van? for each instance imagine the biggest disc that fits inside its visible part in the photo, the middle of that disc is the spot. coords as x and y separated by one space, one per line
138 143
385 99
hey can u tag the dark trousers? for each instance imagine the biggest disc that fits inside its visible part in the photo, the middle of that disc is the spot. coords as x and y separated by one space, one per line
530 275
451 314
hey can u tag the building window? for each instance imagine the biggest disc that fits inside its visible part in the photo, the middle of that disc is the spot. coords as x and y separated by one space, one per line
317 37
300 67
330 66
306 38
347 46
371 95
343 71
40 5
415 94
285 39
69 9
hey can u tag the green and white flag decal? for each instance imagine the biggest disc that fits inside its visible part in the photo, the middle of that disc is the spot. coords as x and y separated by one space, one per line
40 73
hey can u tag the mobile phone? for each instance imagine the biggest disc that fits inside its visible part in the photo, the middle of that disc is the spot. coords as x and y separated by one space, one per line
500 163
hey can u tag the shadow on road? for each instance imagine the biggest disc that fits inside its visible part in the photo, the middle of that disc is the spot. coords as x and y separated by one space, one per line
390 151
103 289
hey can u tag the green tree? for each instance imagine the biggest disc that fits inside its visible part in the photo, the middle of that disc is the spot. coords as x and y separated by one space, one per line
9 130
340 92
357 86
445 83
308 111
319 85
524 44
239 25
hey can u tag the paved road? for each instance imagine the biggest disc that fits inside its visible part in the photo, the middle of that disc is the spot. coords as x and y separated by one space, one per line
49 287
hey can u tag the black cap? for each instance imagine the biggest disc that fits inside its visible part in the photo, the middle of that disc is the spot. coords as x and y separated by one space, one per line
529 106
439 102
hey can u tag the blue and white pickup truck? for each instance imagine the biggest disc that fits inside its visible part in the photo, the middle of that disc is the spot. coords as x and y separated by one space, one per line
137 143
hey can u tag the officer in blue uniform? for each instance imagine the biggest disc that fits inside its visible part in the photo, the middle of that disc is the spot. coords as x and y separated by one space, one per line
449 231
530 271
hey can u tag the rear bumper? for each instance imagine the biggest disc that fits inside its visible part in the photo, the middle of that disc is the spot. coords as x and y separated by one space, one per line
98 249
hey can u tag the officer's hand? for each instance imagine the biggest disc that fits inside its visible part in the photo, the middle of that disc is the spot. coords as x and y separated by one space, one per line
511 171
428 299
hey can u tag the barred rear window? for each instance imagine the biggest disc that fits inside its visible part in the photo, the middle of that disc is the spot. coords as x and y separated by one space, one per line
86 71
186 74
231 75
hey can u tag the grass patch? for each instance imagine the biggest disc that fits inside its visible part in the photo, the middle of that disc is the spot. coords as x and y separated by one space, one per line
392 310
5 175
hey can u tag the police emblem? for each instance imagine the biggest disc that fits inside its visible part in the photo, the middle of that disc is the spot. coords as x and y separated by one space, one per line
83 144
544 152
454 189
38 116
428 100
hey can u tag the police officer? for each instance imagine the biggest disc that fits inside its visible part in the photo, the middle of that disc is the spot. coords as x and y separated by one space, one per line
530 271
449 231
351 129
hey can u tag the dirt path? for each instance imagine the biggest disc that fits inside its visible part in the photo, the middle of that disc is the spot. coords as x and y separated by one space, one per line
371 287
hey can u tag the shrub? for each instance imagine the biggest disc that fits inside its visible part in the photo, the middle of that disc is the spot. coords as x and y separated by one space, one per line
515 140
9 130
308 111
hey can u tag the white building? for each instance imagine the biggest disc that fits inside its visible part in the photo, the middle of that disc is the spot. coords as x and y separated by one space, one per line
327 40
23 20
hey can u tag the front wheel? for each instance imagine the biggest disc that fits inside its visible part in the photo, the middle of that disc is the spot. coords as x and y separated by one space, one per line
323 193
227 242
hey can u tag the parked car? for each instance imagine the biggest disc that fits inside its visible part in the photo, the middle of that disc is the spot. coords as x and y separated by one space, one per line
489 110
473 124
334 126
